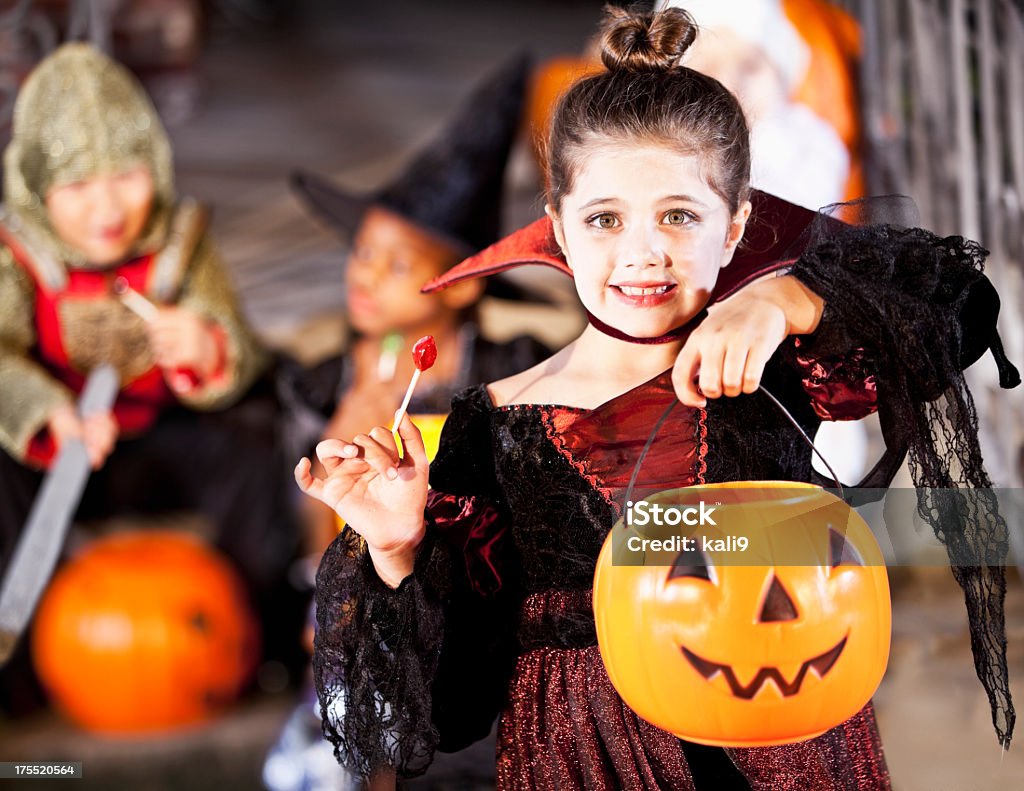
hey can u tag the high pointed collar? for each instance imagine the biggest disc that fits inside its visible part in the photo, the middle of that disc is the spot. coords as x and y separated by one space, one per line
774 238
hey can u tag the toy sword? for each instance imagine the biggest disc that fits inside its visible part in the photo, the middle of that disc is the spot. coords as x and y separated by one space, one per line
43 537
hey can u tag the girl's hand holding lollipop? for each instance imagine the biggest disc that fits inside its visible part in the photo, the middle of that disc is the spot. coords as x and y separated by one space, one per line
378 492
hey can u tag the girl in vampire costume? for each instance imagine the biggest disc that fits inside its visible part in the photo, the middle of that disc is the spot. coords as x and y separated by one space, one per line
442 608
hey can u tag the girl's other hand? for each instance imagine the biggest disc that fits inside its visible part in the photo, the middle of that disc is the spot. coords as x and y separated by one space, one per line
727 353
379 494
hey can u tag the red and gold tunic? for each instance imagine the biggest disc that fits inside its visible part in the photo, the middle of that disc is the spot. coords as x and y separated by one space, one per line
59 322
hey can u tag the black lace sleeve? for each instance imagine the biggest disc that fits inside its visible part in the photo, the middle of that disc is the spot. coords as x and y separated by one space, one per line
374 656
403 672
922 311
905 294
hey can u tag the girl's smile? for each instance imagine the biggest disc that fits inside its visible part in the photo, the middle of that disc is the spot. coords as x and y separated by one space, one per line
644 294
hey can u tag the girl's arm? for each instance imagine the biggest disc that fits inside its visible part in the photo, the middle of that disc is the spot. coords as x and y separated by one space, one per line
408 662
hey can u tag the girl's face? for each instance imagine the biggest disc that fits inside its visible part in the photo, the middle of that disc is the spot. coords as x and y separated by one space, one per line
391 259
645 236
102 217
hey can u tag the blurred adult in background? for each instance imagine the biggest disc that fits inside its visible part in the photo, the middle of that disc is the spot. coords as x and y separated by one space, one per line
757 49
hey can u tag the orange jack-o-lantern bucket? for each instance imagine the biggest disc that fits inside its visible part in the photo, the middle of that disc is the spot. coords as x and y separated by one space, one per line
769 626
144 631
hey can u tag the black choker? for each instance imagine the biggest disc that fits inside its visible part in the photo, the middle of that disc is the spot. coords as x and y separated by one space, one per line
680 333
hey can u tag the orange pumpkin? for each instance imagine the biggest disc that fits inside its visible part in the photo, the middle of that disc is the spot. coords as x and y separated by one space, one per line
773 644
144 631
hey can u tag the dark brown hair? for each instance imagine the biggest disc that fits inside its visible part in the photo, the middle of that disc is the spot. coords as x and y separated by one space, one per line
646 96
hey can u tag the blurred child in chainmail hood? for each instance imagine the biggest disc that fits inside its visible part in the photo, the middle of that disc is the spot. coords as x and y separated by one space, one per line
89 212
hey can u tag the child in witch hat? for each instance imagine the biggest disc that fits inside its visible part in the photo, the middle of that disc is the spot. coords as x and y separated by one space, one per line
445 205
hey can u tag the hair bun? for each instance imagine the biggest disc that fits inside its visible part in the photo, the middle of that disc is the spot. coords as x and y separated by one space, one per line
634 41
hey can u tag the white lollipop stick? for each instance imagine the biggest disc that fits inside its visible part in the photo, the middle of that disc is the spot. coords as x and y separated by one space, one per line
405 401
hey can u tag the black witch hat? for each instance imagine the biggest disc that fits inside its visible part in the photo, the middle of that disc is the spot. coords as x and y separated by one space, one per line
453 188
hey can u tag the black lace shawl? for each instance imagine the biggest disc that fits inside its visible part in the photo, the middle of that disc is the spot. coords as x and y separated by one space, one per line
921 304
375 646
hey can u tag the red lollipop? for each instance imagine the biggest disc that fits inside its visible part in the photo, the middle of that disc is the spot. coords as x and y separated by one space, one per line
424 354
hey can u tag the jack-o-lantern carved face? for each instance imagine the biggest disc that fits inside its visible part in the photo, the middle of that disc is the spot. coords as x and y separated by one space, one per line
774 643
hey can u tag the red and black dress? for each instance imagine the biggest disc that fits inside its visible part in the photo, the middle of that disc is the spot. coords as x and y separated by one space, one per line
497 619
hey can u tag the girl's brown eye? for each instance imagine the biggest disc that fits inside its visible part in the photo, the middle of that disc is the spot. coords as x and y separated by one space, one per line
677 218
604 221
